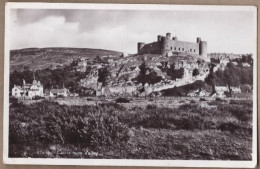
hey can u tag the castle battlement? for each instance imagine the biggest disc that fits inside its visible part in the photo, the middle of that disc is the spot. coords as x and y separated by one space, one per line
167 45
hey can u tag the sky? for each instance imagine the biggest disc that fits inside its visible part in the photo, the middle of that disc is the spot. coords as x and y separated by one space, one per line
121 30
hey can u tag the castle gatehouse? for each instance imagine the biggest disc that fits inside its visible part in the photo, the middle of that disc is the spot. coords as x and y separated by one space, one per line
167 46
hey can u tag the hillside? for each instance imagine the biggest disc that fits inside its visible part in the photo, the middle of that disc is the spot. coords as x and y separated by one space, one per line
41 58
101 72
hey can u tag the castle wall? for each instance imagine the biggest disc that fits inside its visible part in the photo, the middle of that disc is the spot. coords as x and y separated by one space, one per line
151 48
165 46
181 46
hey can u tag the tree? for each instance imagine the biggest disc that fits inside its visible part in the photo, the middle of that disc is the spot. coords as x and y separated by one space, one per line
231 76
195 72
211 78
145 77
175 73
143 68
103 75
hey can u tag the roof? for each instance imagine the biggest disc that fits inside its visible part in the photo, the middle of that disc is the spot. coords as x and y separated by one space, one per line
19 87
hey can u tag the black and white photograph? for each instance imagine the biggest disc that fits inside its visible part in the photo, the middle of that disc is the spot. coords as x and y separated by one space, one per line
130 85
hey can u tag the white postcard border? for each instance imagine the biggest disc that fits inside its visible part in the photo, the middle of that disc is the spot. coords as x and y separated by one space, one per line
123 162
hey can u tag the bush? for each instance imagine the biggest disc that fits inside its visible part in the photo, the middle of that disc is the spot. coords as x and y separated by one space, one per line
247 103
150 106
60 96
214 103
191 122
219 99
195 72
37 98
85 125
193 101
231 127
13 100
202 99
241 112
122 100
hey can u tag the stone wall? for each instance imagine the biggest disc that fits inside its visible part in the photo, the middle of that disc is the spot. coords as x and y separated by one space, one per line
151 48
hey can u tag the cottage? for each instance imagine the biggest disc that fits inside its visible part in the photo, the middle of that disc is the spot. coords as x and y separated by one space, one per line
28 90
57 92
221 90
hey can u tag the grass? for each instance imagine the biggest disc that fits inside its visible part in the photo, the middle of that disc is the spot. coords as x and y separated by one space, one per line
110 130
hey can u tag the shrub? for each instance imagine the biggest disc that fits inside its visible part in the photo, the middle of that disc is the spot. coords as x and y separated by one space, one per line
122 100
229 126
202 99
60 96
193 101
50 123
214 103
247 103
150 106
241 113
195 72
13 100
191 122
37 98
219 99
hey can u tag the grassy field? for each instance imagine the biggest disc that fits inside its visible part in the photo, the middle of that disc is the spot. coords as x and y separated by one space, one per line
184 130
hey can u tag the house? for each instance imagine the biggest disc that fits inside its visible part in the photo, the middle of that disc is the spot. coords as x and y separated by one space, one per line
28 90
221 90
197 93
17 91
57 92
246 65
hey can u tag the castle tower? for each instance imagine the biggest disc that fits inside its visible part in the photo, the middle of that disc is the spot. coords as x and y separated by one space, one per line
159 38
168 36
174 38
203 48
198 39
164 45
140 45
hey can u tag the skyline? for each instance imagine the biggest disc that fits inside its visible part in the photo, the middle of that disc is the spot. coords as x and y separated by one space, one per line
121 30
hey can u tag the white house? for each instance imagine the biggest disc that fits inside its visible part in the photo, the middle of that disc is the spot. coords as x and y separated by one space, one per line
28 90
17 91
222 89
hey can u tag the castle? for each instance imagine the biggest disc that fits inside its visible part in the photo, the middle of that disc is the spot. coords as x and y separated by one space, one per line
167 46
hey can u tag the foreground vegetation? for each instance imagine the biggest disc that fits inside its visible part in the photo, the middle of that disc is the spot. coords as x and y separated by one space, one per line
222 130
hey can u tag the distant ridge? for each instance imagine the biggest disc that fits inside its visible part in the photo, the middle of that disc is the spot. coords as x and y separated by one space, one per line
62 48
40 58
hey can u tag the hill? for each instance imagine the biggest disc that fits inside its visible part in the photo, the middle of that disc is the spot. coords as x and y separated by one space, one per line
41 58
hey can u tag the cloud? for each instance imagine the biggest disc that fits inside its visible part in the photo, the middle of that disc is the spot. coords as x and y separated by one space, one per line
47 32
121 30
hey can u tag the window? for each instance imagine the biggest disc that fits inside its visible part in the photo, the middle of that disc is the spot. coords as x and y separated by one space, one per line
194 50
179 49
171 48
182 49
174 48
190 50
